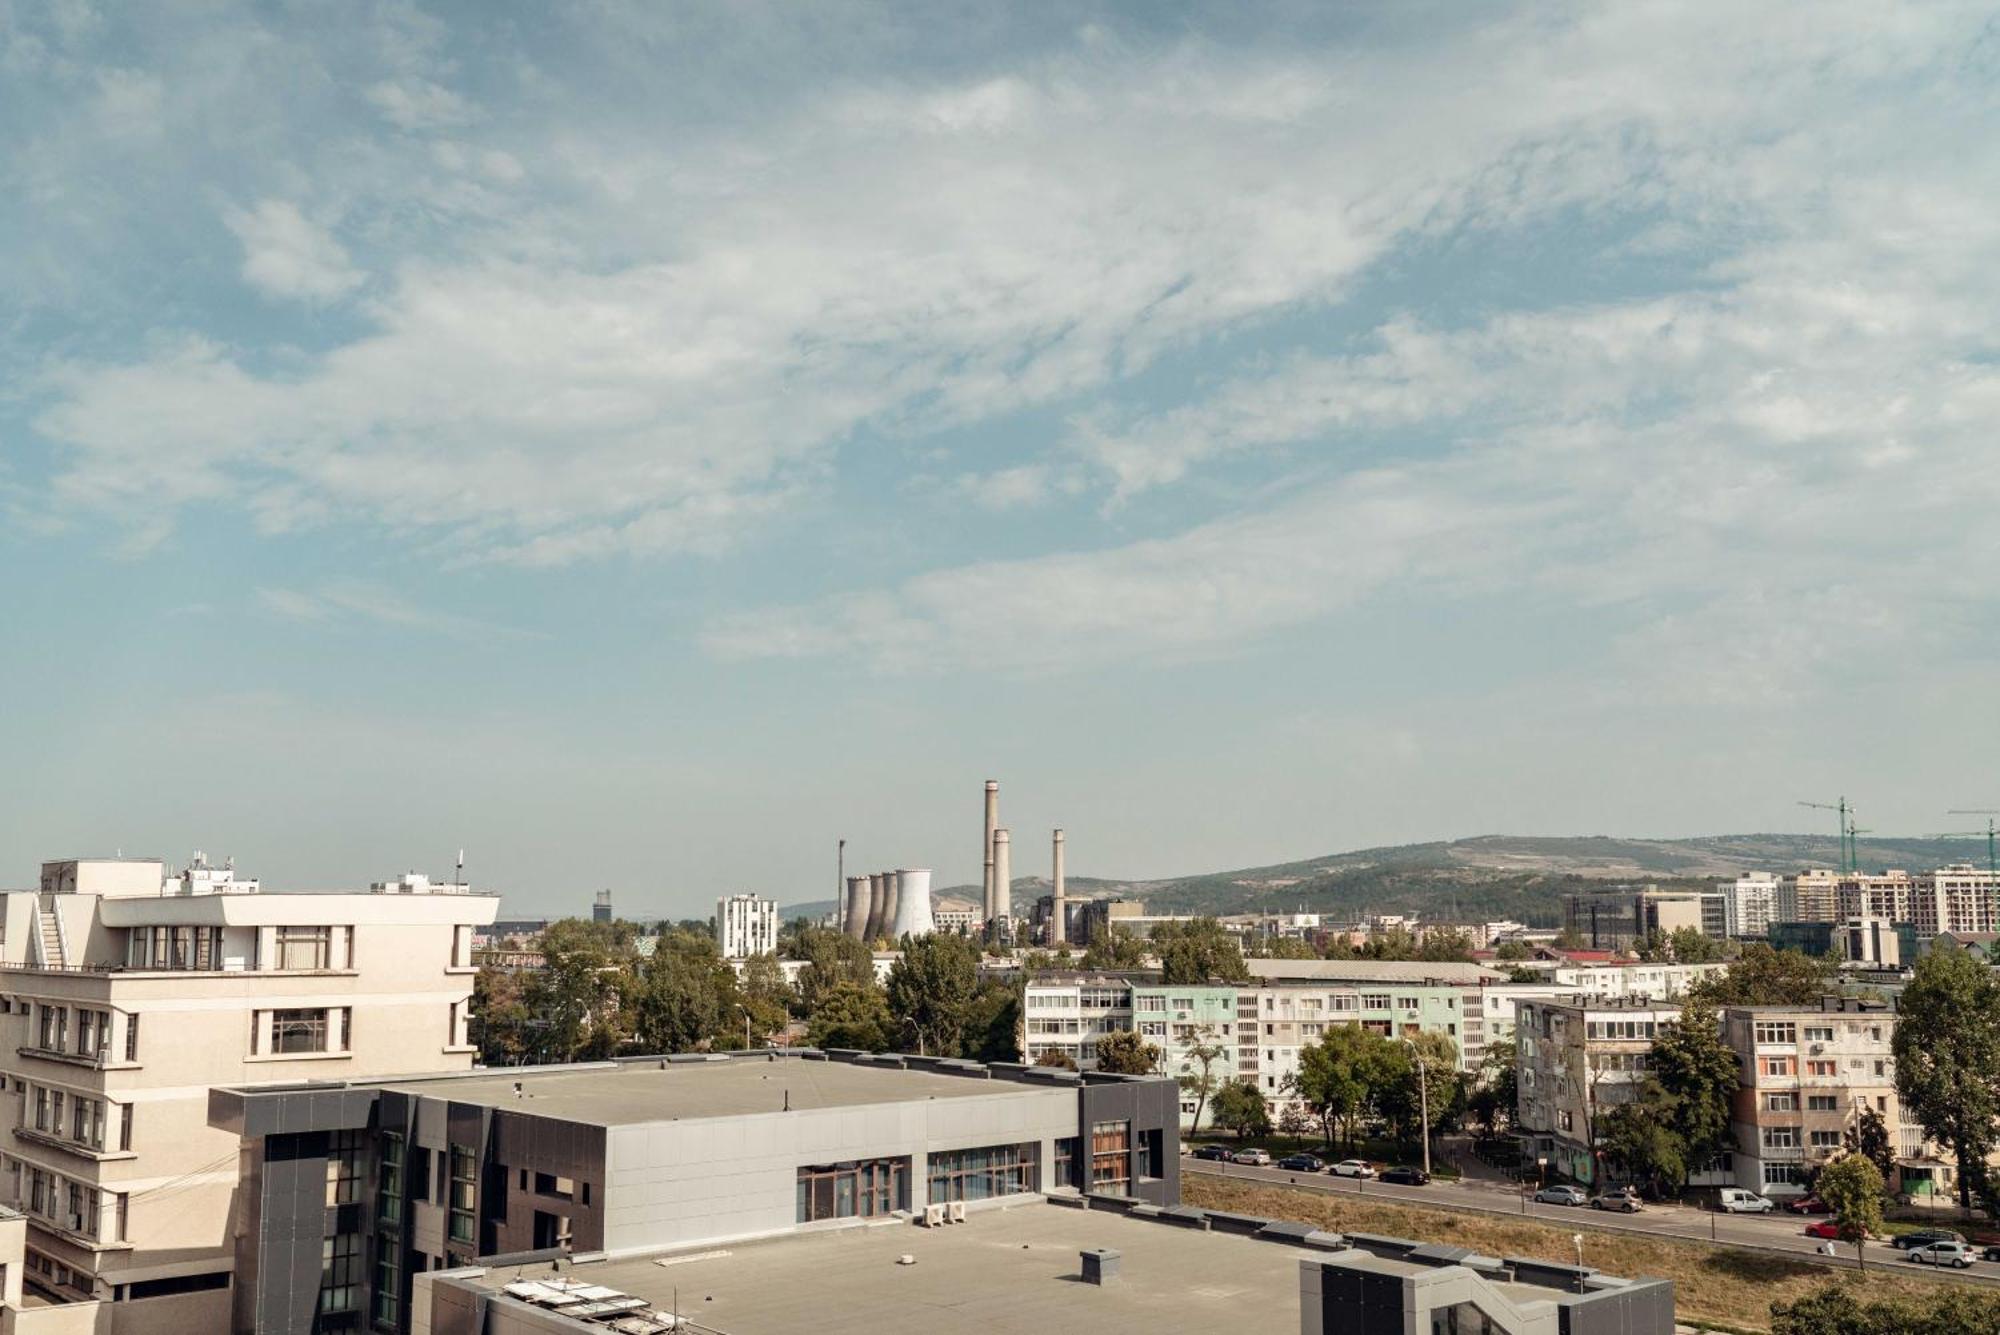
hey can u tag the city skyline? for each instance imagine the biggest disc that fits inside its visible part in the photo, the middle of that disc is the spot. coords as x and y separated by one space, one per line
642 447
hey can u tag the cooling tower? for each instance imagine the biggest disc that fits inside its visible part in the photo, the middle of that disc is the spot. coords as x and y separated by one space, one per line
877 898
889 901
913 903
1003 877
856 920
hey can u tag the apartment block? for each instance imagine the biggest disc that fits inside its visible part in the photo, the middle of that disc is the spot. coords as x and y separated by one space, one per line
1810 896
746 925
1750 903
1577 1060
1182 1019
126 994
1070 1012
1619 917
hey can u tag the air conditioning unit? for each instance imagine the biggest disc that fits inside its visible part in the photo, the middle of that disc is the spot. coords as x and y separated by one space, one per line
1817 1048
934 1216
956 1211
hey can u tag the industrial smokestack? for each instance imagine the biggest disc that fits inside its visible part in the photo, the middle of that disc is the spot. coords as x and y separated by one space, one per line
1058 928
1003 878
873 927
890 897
913 903
992 824
855 922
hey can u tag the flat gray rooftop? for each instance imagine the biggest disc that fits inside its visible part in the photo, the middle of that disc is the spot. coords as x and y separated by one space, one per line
1002 1272
622 1095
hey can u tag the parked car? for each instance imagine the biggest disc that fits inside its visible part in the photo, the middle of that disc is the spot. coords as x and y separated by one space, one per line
1954 1254
1255 1158
1212 1152
1735 1200
1625 1200
1824 1228
1924 1237
1353 1168
1561 1196
1991 1252
1302 1163
1808 1205
1403 1175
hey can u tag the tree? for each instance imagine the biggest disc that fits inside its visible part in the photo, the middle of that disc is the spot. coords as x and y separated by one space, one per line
1113 948
1239 1107
1762 976
1198 952
1333 1077
1851 1186
831 958
1689 945
577 997
767 994
931 989
687 998
851 1015
1198 1070
1287 948
1498 1092
993 1024
1123 1052
1947 1048
1509 951
1835 1309
1057 1058
1448 946
1570 939
1697 1072
1641 1137
1869 1137
500 1022
1395 1083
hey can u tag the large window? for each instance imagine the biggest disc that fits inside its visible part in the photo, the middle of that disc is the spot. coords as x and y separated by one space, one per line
388 1280
169 948
1111 1158
1776 1031
340 1273
302 1030
305 948
389 1181
981 1174
55 1028
860 1190
1064 1168
464 1192
343 1168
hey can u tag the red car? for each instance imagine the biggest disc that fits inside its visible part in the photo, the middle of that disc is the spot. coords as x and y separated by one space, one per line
1808 1205
1825 1228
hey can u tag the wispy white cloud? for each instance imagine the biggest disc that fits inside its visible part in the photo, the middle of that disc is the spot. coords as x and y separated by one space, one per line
346 601
286 255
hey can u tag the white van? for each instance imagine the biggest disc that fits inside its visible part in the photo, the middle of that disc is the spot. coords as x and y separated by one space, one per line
1735 1200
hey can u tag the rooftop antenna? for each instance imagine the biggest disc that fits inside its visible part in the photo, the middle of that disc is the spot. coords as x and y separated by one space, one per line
458 877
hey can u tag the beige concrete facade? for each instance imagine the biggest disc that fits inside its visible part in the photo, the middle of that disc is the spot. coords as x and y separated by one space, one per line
125 995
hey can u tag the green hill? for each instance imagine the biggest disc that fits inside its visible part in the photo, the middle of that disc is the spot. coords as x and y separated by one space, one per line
1490 876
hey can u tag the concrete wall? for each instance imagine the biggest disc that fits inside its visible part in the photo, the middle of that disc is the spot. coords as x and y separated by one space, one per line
673 1183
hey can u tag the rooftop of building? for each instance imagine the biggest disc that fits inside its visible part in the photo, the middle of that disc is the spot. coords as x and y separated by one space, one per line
1830 1004
1371 971
662 1089
1015 1271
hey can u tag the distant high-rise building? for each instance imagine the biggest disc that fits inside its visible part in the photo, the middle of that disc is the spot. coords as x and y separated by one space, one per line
1751 901
746 925
601 910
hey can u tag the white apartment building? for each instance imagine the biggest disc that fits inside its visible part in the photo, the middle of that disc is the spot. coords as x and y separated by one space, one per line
1811 896
746 925
1634 980
1070 1012
125 995
1750 903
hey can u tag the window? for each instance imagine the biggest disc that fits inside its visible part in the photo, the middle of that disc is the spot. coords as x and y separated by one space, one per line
93 1032
86 1122
1111 1158
464 1192
1825 1140
388 1284
1777 1031
1822 1103
1375 1001
860 1190
1065 1164
1779 1066
1566 1120
82 1216
340 1272
1781 1103
1407 1003
343 1168
305 948
1342 1001
131 1038
1146 1003
299 1031
1781 1137
1819 1034
1181 1004
55 1028
1783 1174
389 1180
981 1174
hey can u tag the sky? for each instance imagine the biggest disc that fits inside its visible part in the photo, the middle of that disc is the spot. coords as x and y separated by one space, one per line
642 444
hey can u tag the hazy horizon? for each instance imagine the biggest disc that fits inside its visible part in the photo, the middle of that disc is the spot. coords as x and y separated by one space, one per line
642 444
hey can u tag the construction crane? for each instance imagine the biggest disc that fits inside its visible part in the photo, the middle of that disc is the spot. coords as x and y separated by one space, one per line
1990 832
1843 827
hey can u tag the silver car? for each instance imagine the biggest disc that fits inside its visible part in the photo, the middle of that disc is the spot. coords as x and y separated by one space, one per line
1955 1254
1561 1196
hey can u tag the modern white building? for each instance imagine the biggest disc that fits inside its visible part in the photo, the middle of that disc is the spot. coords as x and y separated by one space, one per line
125 995
746 925
1751 903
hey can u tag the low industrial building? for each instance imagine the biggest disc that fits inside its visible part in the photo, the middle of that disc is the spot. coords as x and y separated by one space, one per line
1108 1266
614 1159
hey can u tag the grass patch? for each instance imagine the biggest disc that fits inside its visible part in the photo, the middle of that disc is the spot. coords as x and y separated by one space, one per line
1731 1288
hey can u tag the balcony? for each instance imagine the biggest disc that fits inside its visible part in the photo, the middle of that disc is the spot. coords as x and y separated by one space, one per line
98 1061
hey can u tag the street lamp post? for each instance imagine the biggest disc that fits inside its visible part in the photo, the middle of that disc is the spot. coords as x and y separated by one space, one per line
1424 1100
1577 1238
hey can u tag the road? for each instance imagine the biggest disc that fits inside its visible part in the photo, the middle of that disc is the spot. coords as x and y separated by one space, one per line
1778 1232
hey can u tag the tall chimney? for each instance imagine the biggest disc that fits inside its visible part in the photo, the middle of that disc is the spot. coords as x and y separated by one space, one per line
1058 930
992 824
1003 878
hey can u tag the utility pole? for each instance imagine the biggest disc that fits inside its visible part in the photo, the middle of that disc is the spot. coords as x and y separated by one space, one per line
840 887
1423 1099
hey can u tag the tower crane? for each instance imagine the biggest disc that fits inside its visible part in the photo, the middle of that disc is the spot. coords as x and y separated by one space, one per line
1991 831
1843 827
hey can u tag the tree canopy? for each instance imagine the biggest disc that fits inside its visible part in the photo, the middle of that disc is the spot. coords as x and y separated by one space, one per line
1762 976
931 989
1947 1047
1199 951
1124 1052
1239 1107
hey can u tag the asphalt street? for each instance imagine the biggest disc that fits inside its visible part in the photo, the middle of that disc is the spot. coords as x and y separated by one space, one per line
1779 1232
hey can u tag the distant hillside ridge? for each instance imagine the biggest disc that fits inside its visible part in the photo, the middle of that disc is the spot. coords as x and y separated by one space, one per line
1487 876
